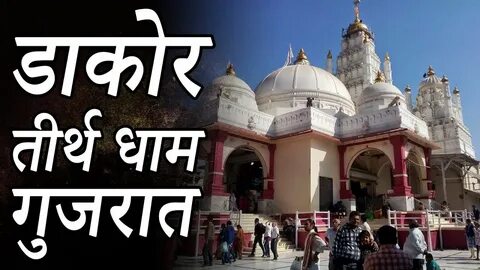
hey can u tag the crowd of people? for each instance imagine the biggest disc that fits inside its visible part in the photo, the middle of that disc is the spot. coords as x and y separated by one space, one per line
353 246
231 242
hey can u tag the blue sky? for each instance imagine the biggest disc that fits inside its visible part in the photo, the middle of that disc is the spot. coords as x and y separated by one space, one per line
255 35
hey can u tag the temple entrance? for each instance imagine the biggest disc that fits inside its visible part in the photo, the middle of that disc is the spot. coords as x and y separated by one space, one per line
415 171
243 175
370 179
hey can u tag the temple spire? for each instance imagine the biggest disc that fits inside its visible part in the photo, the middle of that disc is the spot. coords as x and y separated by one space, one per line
430 71
302 58
289 59
329 65
356 10
230 70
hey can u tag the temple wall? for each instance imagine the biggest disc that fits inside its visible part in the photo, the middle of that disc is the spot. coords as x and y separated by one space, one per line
292 174
324 163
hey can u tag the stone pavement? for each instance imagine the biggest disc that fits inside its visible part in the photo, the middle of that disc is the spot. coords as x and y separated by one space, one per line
447 259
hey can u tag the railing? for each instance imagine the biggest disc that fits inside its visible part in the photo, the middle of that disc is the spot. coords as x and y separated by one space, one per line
425 219
429 219
218 218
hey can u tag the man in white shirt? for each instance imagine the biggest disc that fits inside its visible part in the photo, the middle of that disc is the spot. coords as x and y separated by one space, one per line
330 237
365 226
415 245
275 235
267 238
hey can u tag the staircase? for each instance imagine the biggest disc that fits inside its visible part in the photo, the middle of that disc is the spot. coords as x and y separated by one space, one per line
377 223
248 224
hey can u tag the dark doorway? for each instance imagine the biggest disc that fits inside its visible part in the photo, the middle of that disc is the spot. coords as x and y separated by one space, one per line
244 178
326 193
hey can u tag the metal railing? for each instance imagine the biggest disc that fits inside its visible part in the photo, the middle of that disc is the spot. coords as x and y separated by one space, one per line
428 220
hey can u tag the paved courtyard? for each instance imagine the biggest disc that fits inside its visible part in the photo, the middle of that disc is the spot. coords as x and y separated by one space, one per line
447 259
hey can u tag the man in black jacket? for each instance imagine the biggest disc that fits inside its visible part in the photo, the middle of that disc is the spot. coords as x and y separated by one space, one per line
259 231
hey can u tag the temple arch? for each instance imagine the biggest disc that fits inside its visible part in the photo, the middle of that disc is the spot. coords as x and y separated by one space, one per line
245 170
371 178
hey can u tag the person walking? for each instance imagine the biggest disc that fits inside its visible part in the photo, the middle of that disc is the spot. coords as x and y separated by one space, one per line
208 245
258 232
267 236
313 246
388 257
346 249
229 237
275 235
330 238
239 240
476 213
470 234
222 250
415 245
477 237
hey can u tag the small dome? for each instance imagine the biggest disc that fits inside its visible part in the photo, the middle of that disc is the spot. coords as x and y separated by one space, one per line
379 96
287 88
231 87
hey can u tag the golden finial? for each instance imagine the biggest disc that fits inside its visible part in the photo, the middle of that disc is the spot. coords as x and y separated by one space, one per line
456 91
380 77
430 71
329 55
230 70
408 89
444 79
301 57
387 57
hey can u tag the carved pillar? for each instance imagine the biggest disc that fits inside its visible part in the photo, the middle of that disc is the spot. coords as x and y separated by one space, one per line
402 198
400 176
265 203
345 193
269 189
428 155
214 185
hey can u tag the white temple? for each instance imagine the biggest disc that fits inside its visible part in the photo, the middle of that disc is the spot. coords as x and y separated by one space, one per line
308 137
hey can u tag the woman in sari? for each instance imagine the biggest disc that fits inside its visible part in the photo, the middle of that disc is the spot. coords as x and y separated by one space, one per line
239 242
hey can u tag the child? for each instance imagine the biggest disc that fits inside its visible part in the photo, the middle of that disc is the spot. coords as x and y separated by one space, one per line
367 246
431 263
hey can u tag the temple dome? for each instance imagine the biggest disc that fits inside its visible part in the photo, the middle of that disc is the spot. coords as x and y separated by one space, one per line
230 87
287 89
379 96
358 26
